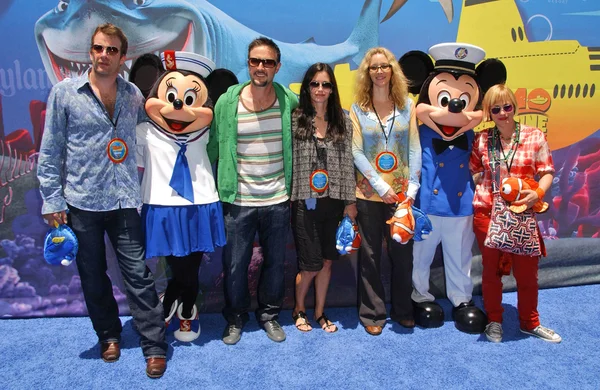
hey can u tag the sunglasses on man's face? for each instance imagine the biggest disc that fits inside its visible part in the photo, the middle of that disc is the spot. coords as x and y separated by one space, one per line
507 108
110 50
267 63
325 84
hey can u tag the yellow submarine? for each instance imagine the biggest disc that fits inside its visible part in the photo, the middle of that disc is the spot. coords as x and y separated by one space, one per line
555 81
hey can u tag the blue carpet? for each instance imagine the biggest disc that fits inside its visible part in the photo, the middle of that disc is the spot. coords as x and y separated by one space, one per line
61 353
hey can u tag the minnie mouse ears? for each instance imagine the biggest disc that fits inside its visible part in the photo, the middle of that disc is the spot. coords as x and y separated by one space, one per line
182 60
145 71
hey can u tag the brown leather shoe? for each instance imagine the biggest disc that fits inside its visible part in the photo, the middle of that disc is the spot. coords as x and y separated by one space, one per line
373 330
110 351
156 367
407 323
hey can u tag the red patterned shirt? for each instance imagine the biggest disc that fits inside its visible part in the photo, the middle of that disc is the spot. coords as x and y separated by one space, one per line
532 158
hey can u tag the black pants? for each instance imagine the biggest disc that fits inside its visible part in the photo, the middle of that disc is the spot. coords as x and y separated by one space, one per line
184 283
371 293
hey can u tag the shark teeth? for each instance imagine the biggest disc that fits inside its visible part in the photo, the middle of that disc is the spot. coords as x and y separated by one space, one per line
69 69
65 68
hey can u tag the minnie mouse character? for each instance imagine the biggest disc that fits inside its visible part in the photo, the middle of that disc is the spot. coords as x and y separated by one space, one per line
181 211
450 94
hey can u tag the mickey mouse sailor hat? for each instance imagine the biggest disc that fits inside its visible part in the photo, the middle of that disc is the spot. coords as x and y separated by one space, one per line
183 60
456 56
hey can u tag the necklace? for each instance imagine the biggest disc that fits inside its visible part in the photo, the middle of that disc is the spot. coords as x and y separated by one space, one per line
510 155
318 128
256 104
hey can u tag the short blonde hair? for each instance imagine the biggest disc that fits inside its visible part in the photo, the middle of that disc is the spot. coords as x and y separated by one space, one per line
364 85
496 95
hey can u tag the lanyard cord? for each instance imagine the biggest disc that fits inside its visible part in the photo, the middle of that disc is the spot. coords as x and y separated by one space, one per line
381 124
513 148
319 154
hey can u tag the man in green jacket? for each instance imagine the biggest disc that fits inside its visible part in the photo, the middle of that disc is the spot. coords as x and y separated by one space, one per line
251 140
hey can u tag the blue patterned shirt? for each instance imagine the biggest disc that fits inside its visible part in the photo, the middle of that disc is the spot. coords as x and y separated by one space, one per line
73 165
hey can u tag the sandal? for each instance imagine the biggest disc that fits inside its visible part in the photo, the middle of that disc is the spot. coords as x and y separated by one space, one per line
327 324
301 316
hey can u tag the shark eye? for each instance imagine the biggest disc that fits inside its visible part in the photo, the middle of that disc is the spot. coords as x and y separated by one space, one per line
443 98
189 98
139 2
466 99
171 94
62 5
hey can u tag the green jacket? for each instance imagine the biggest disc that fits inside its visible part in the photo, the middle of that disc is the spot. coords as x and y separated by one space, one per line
222 142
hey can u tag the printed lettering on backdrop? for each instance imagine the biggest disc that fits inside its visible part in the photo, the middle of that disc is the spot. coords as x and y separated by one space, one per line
551 49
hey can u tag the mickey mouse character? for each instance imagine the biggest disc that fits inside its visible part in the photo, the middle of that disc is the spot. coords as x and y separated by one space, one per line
181 211
450 94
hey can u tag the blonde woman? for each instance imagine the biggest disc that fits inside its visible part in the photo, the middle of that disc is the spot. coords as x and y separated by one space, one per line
387 155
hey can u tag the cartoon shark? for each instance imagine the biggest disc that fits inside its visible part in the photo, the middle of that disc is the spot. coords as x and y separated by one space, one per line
153 26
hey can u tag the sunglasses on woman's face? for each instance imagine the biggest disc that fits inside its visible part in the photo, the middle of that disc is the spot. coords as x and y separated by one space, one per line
110 50
325 84
267 62
383 67
507 108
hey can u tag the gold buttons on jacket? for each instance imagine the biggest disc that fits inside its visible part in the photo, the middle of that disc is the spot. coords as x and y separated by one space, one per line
462 165
459 194
441 165
435 191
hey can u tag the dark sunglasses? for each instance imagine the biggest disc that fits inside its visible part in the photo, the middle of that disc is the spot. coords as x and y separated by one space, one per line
267 63
324 84
507 108
110 50
383 67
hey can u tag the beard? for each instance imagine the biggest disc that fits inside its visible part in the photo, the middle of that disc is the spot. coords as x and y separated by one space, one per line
260 82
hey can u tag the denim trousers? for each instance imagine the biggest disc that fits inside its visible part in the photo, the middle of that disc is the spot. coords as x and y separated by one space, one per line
124 230
371 292
241 225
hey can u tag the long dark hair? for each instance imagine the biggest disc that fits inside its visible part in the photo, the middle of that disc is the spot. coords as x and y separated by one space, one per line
306 112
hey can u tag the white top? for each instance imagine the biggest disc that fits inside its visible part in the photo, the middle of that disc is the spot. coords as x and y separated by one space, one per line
157 152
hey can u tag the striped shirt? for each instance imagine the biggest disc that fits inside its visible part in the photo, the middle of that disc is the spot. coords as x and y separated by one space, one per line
261 178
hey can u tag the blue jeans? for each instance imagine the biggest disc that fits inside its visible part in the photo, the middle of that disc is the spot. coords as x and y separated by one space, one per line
124 230
241 225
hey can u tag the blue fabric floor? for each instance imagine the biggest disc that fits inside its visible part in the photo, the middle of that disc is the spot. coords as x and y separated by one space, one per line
61 353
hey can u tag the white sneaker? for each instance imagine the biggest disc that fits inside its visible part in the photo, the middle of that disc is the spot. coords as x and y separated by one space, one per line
493 332
189 328
544 333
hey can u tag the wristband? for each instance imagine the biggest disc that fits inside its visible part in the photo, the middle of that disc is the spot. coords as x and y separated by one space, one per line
540 192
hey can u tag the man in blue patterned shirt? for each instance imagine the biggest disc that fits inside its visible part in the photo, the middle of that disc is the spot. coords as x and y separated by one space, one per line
85 167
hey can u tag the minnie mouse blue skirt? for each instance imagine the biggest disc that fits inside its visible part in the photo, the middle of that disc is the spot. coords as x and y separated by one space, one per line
181 230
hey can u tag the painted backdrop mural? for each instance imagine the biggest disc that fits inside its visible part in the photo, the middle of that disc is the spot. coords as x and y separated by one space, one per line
551 49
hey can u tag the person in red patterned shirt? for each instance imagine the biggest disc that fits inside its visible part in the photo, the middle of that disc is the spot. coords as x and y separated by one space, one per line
523 152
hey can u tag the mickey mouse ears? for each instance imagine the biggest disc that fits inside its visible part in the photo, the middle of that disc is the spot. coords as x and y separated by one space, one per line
182 60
